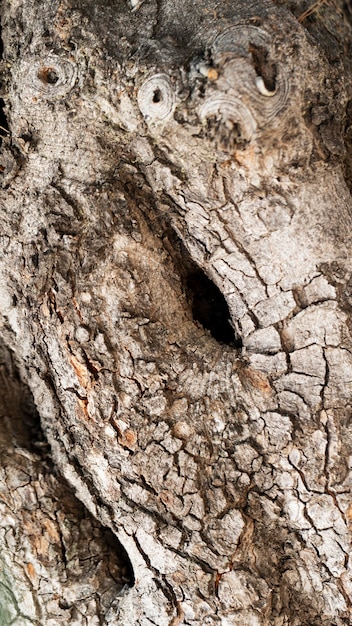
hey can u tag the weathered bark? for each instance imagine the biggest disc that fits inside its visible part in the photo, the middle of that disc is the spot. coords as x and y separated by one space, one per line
167 168
58 565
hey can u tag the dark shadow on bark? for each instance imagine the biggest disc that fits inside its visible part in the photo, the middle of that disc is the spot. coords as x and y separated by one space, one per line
80 551
210 309
208 305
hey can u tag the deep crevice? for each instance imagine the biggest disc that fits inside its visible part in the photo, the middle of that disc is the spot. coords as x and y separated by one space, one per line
18 411
22 437
209 308
208 305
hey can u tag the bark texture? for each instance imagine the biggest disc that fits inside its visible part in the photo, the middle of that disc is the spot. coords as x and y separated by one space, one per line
176 290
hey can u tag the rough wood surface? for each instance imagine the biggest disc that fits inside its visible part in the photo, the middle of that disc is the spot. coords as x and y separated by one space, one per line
175 285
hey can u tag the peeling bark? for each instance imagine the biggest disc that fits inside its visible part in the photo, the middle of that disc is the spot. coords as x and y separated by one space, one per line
175 285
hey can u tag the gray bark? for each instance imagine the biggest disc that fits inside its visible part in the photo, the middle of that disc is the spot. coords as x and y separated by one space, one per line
175 285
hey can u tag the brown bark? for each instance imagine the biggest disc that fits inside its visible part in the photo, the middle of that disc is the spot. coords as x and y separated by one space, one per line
175 286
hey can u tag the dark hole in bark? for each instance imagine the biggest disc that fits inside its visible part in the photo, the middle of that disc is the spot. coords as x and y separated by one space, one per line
263 66
52 77
210 309
208 305
157 96
4 128
206 302
48 75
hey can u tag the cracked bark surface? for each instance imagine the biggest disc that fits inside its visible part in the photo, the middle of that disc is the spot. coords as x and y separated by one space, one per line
58 565
169 165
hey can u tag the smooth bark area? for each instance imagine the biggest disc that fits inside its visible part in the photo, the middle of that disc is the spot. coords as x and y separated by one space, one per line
175 313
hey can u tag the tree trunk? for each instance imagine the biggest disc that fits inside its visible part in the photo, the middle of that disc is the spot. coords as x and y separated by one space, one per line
176 291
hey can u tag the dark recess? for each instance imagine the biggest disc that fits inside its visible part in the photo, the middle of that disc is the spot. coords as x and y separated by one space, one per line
18 410
20 426
210 309
206 302
208 305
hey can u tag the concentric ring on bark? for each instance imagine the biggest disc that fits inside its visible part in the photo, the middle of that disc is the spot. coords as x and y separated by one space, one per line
54 76
270 103
238 39
156 98
242 41
226 108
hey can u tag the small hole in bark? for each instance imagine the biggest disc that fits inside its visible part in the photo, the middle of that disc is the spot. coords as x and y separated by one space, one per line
157 97
48 75
264 68
210 309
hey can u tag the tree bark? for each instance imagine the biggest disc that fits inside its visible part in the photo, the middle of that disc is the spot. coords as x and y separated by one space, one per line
175 281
